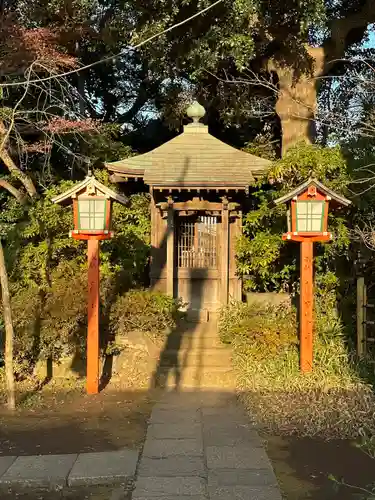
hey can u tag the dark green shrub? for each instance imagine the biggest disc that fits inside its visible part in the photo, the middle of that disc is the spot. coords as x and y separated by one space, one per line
50 324
268 329
145 311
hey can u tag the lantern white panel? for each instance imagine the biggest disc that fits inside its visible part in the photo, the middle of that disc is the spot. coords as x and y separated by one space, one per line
99 207
92 214
316 225
310 216
84 206
98 222
302 207
84 222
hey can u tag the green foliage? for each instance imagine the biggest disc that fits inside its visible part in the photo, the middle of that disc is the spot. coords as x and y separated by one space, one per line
303 161
47 269
268 330
144 311
42 241
50 324
130 249
269 263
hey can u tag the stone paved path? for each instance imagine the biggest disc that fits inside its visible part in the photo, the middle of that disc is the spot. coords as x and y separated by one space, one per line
52 471
200 445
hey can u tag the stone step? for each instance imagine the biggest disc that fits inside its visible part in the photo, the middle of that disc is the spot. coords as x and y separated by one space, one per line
214 357
191 340
206 377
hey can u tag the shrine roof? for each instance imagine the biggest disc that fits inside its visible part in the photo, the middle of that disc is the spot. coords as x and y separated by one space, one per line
194 158
321 187
82 187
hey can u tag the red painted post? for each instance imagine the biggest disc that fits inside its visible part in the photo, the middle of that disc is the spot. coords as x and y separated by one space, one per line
306 305
93 317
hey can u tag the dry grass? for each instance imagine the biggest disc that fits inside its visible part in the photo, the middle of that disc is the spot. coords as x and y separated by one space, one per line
336 400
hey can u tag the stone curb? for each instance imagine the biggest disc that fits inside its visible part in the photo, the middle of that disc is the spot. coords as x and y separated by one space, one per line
51 471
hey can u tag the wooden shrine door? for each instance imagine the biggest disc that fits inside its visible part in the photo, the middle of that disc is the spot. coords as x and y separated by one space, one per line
197 260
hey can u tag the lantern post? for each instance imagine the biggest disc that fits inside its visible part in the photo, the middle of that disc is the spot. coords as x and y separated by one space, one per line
308 207
92 207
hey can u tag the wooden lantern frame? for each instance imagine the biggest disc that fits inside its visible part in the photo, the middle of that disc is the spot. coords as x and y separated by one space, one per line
101 234
91 189
311 190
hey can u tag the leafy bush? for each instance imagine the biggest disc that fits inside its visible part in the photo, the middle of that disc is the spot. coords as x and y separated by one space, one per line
50 324
144 310
268 329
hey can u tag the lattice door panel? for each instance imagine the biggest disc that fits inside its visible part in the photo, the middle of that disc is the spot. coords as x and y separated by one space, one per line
197 242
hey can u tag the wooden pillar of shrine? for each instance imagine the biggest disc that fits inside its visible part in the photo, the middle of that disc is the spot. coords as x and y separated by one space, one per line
235 231
225 253
170 250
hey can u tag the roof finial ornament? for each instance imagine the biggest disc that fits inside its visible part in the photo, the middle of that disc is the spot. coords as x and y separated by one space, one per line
195 111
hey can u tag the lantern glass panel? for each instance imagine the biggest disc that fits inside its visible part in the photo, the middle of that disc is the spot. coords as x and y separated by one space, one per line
92 214
310 216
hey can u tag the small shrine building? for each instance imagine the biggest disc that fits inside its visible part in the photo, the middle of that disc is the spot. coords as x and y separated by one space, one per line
198 187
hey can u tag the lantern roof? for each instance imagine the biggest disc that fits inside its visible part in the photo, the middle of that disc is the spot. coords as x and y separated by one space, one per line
340 200
193 159
90 186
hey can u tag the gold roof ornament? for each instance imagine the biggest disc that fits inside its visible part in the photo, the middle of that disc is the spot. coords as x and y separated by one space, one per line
195 111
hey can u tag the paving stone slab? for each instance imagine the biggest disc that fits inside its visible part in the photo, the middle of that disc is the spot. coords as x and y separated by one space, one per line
180 401
242 477
150 487
231 435
206 377
183 430
222 412
172 406
103 468
5 463
244 493
40 470
188 397
158 448
236 457
178 465
224 416
217 399
183 497
162 415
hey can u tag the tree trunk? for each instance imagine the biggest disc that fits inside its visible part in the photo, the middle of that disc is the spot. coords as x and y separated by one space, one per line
9 334
297 100
296 106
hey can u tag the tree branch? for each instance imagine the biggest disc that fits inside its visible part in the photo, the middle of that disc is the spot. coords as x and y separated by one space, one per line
12 190
12 167
341 29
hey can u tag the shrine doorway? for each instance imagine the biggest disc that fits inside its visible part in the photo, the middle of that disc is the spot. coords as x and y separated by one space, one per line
197 260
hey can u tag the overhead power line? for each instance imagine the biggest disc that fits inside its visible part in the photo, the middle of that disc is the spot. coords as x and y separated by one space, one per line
109 58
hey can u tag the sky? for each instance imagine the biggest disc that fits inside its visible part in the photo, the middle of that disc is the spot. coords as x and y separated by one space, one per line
371 42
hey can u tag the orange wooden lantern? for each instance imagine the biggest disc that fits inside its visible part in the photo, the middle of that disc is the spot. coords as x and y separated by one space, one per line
308 207
92 204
